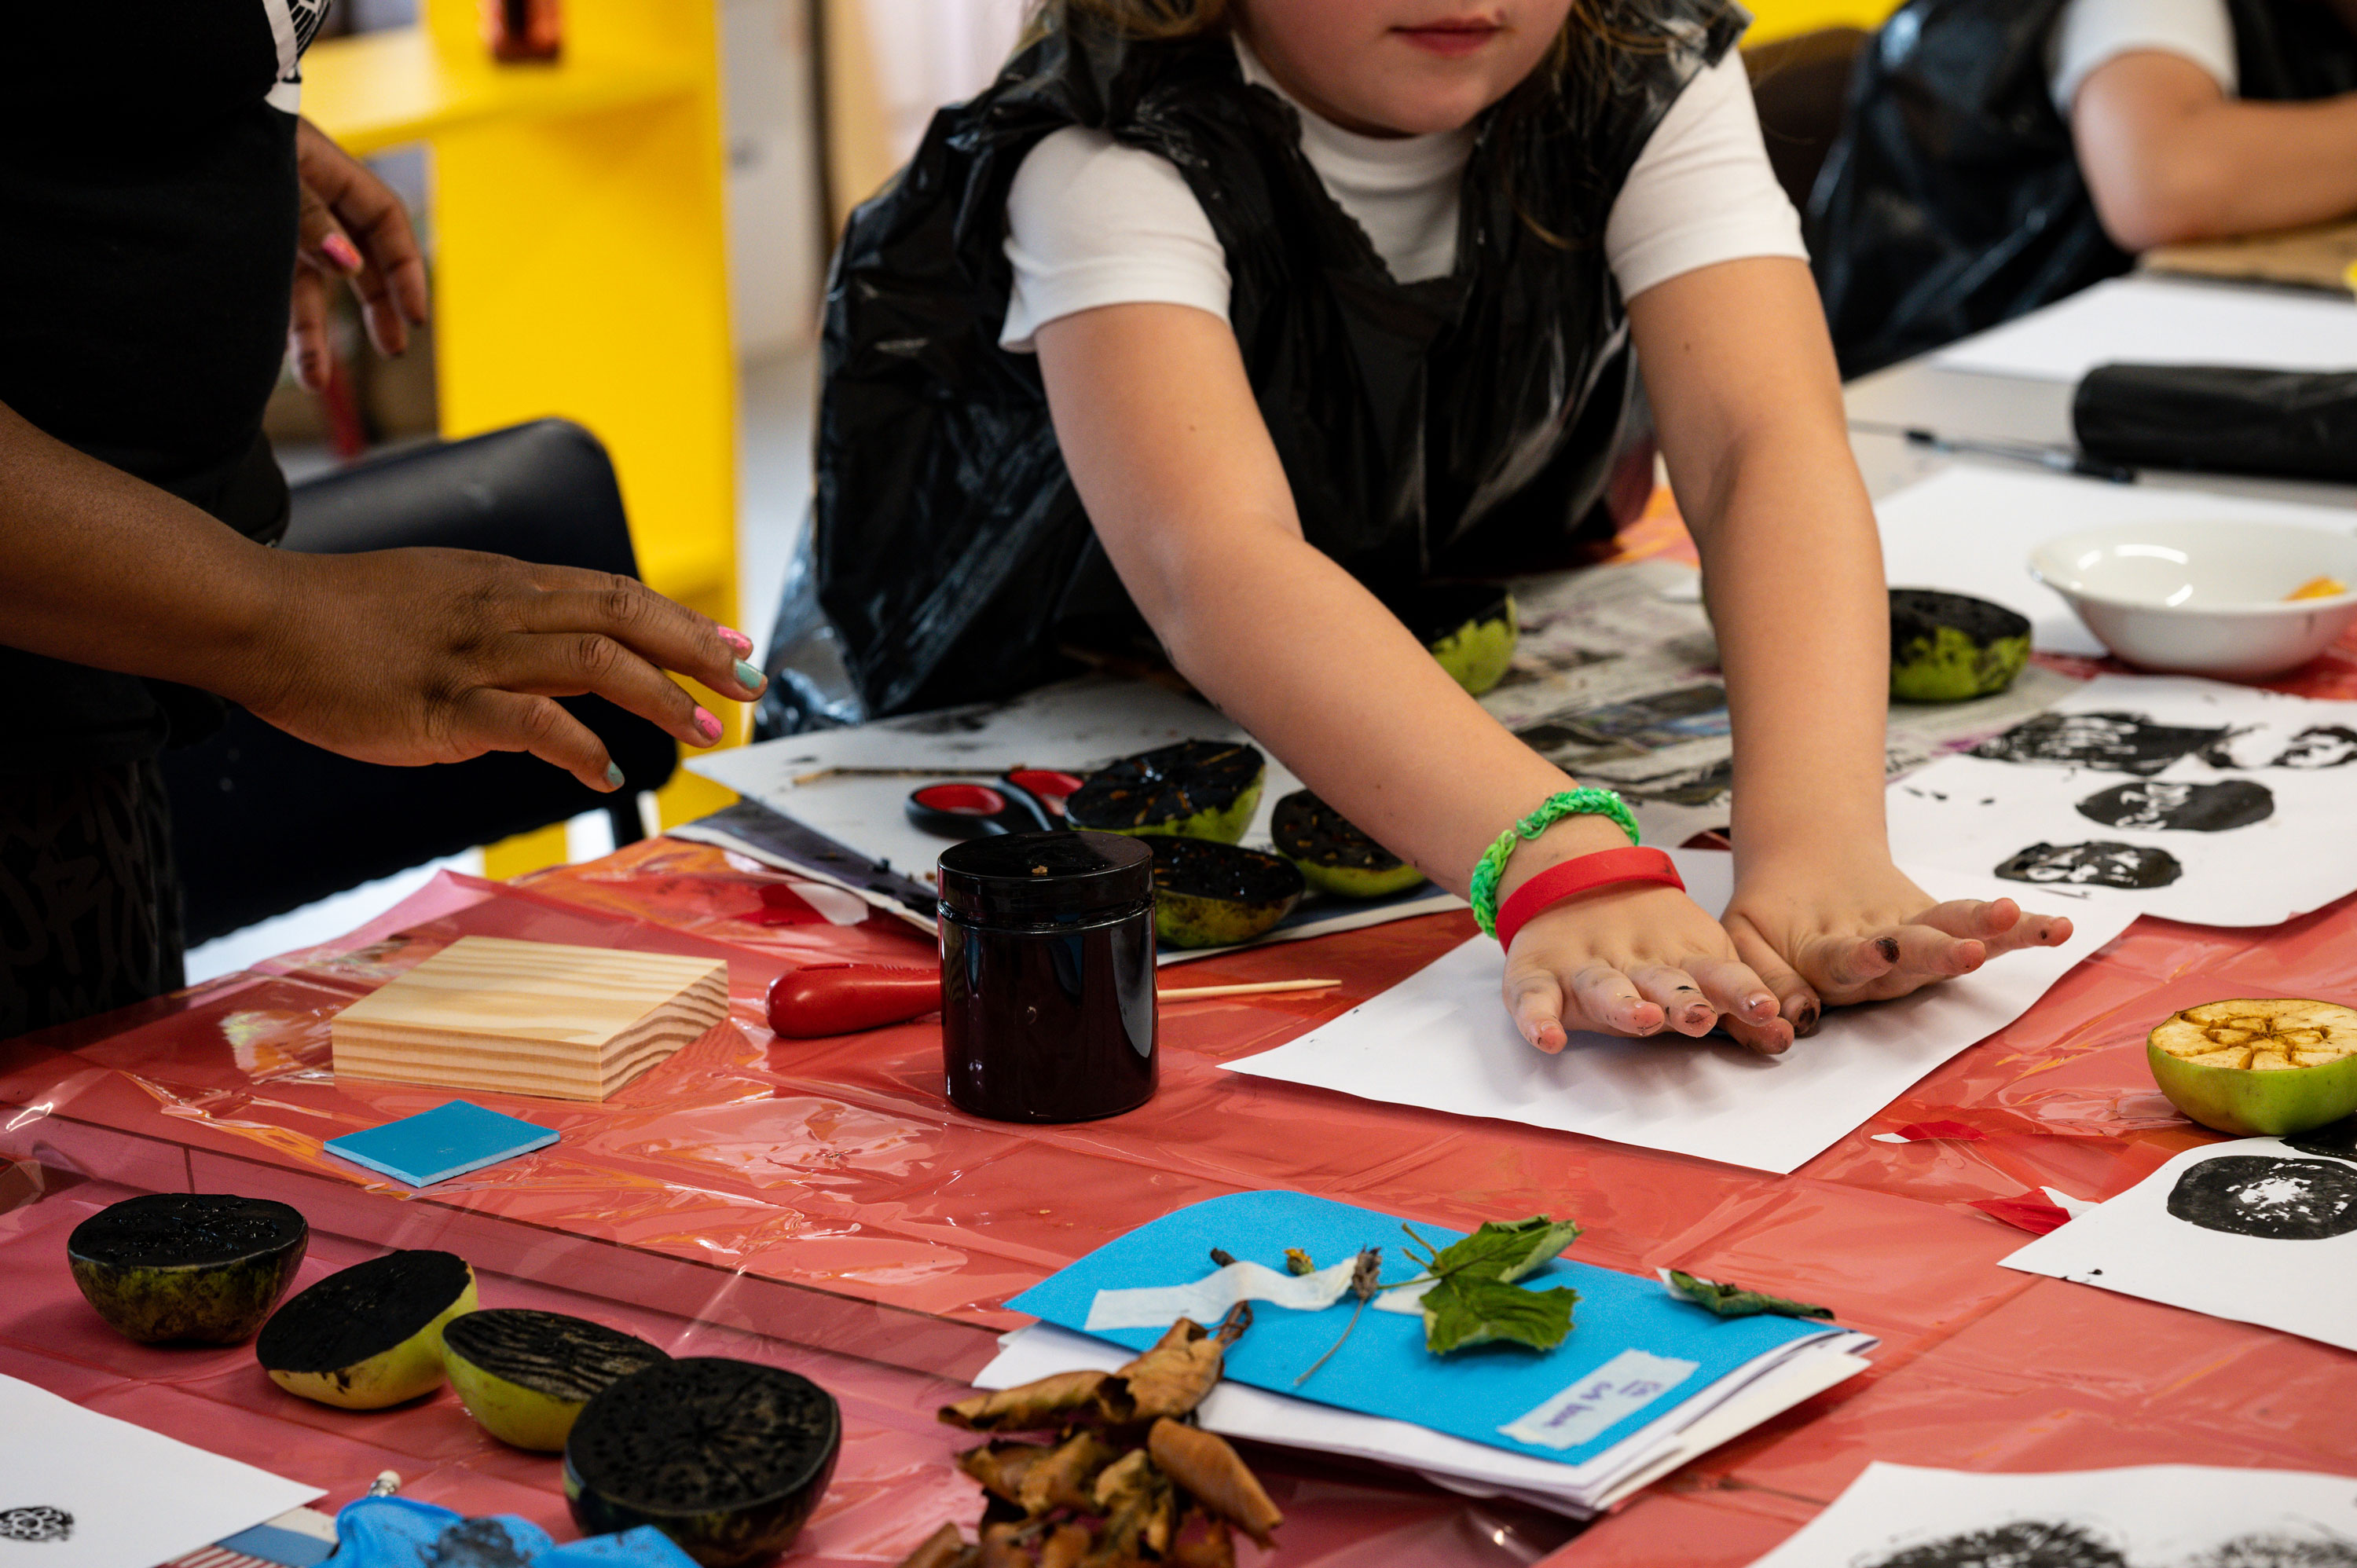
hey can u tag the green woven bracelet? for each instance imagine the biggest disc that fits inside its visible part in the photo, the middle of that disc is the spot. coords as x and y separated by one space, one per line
1570 803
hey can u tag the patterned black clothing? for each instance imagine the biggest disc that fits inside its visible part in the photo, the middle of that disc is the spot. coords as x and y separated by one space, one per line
90 915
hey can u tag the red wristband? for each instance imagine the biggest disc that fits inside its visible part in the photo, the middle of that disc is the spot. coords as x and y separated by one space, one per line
1557 882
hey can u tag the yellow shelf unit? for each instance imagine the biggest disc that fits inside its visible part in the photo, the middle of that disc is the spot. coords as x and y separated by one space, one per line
580 256
1773 19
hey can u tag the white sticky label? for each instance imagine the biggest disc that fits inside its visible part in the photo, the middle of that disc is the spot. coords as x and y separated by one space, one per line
1622 1387
1204 1300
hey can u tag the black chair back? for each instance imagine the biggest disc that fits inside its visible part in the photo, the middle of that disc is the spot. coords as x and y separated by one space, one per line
263 822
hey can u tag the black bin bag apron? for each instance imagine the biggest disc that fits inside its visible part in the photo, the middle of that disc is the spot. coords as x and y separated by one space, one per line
1459 426
1953 200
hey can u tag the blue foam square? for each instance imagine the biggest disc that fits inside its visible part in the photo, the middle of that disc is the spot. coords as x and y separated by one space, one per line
435 1145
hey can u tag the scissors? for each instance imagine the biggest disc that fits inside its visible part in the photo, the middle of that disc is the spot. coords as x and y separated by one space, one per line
1025 801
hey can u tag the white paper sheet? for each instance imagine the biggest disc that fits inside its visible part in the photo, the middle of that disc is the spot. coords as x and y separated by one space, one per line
1442 1038
2275 1264
2151 1516
2165 322
1969 529
2104 780
1238 1410
133 1498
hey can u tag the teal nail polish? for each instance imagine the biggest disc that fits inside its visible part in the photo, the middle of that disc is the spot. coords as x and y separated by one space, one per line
749 675
614 774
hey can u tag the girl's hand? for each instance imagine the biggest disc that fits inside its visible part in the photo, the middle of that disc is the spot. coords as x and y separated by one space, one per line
352 226
1636 958
1825 936
417 656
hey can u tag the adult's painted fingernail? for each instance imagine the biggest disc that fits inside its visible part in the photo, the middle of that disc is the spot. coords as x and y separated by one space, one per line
340 250
706 725
738 640
748 676
614 774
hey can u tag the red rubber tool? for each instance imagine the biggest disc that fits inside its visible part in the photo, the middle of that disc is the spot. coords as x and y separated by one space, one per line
822 999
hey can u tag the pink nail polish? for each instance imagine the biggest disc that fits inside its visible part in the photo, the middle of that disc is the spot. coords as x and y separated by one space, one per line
738 640
340 250
706 725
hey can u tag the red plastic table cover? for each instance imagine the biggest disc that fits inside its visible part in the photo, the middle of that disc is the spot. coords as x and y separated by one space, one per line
819 1203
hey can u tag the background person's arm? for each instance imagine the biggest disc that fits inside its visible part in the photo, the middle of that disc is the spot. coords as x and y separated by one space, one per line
2169 158
395 656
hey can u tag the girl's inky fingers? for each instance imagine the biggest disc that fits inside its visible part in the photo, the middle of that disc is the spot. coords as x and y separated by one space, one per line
1535 1000
2031 931
566 665
1848 963
504 721
1733 990
1972 917
1773 1038
1925 950
1613 1004
1796 1000
1684 1005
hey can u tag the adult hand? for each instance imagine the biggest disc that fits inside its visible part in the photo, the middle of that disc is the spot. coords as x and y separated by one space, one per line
354 228
1824 936
1635 959
418 656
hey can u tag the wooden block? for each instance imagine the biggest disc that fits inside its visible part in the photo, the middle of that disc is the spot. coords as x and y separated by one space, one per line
517 1017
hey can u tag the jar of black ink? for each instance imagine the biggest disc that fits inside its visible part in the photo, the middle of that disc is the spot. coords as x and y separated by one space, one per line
1047 975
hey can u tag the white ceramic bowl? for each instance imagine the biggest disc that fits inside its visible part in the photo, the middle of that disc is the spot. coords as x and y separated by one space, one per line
2205 599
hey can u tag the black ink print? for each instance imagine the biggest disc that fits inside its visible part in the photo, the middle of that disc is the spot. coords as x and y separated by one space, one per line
2318 746
2107 742
2187 808
2101 863
2277 1549
2269 1196
2337 1139
38 1523
2027 1543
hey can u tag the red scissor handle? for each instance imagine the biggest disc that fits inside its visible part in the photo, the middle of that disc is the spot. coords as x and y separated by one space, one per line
962 800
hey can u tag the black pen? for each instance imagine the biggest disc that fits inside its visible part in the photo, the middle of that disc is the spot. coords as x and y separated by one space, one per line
2061 459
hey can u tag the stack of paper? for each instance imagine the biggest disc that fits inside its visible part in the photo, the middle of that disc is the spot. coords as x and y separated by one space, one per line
1645 1382
2160 321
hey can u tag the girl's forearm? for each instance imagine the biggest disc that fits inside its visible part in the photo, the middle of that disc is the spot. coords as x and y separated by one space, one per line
1296 650
1793 576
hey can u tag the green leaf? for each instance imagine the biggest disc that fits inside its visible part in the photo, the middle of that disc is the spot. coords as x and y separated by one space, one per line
1734 1301
1468 1309
1506 1252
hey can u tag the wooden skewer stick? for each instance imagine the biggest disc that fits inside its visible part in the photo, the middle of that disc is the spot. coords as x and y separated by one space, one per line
800 780
1262 988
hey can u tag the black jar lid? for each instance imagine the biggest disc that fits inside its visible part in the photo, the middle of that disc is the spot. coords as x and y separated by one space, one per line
1026 879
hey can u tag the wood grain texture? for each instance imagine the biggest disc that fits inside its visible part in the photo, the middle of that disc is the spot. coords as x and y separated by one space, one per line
565 1023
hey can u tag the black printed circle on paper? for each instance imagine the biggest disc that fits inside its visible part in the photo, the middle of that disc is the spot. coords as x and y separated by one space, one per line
2269 1196
2276 1549
2026 1543
40 1522
2098 862
2170 803
2109 742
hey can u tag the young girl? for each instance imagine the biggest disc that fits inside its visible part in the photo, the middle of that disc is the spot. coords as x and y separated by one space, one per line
1252 315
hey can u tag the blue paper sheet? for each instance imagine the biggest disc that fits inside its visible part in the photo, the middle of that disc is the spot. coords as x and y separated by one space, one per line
1620 1368
437 1144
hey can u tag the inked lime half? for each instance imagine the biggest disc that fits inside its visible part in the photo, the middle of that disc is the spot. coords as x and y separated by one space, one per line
2258 1067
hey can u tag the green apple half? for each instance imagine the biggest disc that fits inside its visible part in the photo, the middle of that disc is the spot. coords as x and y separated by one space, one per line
2258 1067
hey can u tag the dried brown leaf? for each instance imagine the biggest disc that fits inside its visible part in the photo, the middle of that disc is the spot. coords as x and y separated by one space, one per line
1038 1406
1215 1476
